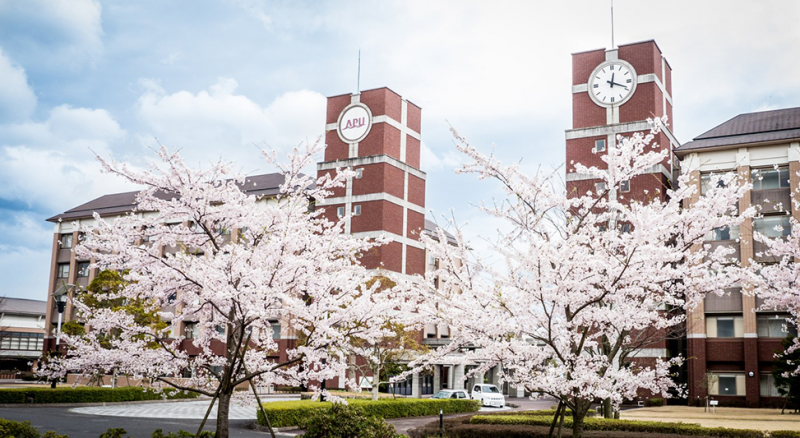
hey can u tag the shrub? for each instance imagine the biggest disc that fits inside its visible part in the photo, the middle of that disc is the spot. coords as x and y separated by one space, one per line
114 432
297 412
345 421
17 429
654 402
621 425
182 434
86 395
785 434
51 434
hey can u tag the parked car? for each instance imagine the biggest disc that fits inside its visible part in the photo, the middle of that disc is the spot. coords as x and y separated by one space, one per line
451 393
489 395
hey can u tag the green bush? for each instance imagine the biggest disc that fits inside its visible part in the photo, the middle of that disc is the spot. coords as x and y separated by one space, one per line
51 434
297 412
182 434
345 421
785 434
603 424
17 429
654 402
86 395
114 432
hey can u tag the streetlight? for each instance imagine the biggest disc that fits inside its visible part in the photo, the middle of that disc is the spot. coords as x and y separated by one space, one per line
60 297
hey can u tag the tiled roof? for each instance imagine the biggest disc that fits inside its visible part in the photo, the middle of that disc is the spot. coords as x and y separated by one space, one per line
430 229
22 306
760 127
118 203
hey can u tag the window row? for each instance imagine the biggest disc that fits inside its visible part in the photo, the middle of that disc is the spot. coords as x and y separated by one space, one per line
734 384
21 341
762 179
356 210
768 326
62 271
190 330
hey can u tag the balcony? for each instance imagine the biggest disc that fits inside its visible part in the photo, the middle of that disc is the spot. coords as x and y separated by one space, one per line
772 200
731 258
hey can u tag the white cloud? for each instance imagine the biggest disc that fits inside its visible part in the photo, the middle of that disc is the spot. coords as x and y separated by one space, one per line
219 123
17 100
50 164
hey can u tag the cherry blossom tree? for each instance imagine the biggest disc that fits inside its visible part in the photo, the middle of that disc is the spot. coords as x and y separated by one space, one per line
577 277
198 249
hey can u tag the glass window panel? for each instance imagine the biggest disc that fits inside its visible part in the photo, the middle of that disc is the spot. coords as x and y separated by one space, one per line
63 270
599 145
83 269
727 385
773 226
66 241
765 179
625 186
725 328
276 330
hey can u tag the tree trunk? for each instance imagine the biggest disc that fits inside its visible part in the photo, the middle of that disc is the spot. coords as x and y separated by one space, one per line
608 411
223 408
578 415
376 374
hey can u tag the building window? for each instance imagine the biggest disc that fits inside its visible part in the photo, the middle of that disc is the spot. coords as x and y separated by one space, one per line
765 179
190 330
21 341
359 172
66 241
727 384
63 270
600 187
705 182
772 326
766 385
724 326
600 145
340 211
773 226
723 233
626 228
276 330
83 269
356 210
625 186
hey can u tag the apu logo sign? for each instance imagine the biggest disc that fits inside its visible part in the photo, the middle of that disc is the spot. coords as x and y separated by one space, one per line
354 123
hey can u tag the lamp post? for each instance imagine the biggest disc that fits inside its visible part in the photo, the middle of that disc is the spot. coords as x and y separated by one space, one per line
60 297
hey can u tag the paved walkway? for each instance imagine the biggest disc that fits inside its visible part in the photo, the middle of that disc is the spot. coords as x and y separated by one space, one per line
195 410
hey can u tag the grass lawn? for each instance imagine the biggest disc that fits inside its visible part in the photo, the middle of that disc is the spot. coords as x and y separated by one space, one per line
738 418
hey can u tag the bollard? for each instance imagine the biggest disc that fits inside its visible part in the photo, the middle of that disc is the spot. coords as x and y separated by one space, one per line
441 422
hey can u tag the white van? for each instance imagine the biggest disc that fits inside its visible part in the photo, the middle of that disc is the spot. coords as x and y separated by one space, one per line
489 395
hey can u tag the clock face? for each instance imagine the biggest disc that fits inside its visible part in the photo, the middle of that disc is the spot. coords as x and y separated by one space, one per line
612 83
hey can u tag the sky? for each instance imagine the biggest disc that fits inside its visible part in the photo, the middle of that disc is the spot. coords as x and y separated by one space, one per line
226 78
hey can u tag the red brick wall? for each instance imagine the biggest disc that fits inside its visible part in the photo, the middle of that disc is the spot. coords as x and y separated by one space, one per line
416 190
378 215
724 350
335 148
586 113
382 139
644 57
377 178
388 256
336 105
415 223
583 63
412 151
414 117
382 101
696 366
579 150
415 261
642 104
338 191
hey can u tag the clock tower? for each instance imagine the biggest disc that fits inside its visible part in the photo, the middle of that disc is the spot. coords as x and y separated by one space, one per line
614 92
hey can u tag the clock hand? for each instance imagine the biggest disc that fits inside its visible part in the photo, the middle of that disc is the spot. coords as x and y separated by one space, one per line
614 83
612 80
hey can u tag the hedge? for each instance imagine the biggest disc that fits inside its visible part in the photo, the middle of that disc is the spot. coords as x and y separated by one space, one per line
86 395
785 434
296 412
17 429
603 424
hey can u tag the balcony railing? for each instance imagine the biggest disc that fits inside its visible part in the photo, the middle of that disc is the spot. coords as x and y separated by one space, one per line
772 200
731 258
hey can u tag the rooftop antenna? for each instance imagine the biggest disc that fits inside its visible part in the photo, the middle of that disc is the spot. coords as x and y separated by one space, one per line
612 24
358 84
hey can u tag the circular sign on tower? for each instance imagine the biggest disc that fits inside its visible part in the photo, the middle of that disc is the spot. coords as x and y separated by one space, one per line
354 123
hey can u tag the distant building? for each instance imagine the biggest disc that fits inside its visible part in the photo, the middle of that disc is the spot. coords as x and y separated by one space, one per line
21 334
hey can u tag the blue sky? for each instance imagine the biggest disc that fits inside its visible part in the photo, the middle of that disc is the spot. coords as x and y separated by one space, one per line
223 78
